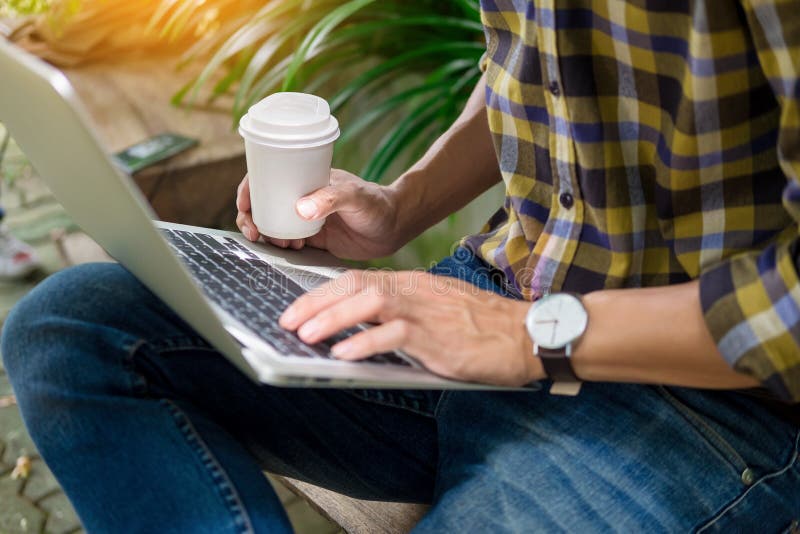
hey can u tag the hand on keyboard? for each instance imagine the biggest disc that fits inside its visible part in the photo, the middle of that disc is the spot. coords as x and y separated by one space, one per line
251 291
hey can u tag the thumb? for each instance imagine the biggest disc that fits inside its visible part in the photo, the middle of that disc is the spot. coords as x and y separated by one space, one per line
323 202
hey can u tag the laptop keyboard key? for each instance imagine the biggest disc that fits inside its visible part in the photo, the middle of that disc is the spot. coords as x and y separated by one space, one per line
252 291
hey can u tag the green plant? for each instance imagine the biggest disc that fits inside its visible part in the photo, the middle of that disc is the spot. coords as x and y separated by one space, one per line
399 70
57 11
25 7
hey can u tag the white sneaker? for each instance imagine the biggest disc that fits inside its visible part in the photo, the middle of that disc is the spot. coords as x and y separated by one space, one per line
17 259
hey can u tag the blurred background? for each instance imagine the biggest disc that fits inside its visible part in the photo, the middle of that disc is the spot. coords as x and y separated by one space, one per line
396 72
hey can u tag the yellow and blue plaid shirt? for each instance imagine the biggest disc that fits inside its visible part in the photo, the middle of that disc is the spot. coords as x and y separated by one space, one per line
652 142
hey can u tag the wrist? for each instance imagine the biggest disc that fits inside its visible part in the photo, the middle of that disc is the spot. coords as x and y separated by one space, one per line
596 356
406 198
533 367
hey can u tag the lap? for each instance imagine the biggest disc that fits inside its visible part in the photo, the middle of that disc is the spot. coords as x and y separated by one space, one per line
353 443
113 336
620 456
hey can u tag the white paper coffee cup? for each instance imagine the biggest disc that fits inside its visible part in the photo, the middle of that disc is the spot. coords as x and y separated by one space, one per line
288 139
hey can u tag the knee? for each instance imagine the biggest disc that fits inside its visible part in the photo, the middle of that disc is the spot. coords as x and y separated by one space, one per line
51 317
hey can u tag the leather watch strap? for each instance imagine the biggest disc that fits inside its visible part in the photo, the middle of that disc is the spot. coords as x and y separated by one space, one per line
557 365
558 368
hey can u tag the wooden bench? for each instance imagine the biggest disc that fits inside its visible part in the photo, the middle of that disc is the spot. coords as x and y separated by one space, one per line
356 516
129 103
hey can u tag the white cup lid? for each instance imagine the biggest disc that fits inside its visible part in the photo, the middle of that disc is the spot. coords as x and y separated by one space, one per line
290 120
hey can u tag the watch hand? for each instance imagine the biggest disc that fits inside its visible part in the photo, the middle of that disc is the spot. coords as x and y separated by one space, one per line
546 322
553 336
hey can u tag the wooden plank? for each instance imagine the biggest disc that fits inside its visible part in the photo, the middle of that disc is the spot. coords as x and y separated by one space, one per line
129 102
357 516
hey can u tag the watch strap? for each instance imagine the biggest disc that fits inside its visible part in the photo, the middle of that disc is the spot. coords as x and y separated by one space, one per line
559 369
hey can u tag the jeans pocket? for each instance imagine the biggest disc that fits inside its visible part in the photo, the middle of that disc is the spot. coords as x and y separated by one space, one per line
771 503
713 439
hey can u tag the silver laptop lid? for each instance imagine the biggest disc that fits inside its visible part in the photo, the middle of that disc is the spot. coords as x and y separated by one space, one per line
41 110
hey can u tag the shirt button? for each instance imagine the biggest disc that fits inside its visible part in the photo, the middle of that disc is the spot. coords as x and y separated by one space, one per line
566 200
748 477
554 88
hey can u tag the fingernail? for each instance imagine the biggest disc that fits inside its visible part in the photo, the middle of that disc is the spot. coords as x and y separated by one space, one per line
342 349
307 208
287 318
308 330
250 233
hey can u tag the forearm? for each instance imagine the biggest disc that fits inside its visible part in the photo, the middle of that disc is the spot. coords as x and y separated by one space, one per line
457 168
653 335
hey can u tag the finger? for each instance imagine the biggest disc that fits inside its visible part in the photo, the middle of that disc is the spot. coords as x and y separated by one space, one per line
243 194
382 338
245 223
343 314
319 240
297 244
327 200
282 243
319 298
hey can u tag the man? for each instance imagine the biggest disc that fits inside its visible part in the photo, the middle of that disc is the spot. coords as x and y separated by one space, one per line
651 154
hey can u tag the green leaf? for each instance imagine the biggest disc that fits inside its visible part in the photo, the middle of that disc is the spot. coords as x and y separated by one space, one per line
394 141
234 74
320 31
403 60
408 65
389 105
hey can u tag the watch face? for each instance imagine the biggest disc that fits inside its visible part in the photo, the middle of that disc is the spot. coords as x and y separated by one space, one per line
556 320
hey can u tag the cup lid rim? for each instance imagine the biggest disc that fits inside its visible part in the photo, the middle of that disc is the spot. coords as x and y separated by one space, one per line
329 135
290 119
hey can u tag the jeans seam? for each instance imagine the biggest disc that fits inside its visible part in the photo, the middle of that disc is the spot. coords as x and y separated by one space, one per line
389 404
222 481
440 402
437 478
178 343
166 344
769 476
138 382
711 436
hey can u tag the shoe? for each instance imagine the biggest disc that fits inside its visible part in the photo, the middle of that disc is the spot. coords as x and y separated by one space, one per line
17 259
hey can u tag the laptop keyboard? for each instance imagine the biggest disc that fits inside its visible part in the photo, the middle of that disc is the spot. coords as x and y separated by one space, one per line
252 291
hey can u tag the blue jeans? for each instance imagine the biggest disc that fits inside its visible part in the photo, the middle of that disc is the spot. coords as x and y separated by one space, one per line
149 429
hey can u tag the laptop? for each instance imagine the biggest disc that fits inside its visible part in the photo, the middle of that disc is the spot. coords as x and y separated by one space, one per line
228 289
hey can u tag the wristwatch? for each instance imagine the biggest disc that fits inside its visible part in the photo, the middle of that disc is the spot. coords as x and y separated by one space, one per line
555 323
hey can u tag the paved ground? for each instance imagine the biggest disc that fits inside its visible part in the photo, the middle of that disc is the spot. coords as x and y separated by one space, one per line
35 503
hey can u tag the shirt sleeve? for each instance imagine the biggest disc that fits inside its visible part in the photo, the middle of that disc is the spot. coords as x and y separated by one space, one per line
751 301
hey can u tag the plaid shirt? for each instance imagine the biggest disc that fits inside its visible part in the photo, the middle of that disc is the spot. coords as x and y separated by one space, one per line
652 142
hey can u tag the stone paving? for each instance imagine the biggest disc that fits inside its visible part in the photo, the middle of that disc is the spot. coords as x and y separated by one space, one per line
34 503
